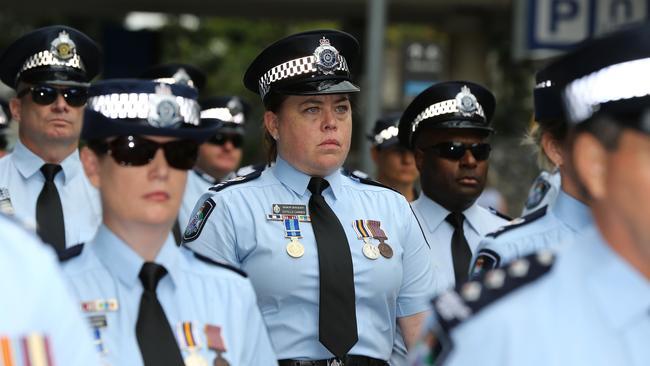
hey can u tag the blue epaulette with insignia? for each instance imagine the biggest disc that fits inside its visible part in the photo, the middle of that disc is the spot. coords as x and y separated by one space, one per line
69 253
495 212
519 221
219 264
246 178
365 180
455 306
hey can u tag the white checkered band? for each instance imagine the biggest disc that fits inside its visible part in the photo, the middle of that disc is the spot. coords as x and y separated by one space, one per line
386 134
440 108
144 106
47 58
299 66
223 114
626 80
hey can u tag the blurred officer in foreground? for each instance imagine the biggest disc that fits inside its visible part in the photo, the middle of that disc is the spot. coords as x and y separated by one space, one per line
395 163
5 119
40 324
337 262
447 126
220 156
591 305
546 227
43 179
148 301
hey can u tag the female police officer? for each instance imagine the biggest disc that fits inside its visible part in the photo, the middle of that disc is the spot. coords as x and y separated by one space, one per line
143 295
334 259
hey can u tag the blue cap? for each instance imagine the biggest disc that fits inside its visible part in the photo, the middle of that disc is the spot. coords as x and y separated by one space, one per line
141 107
54 55
384 134
176 73
230 110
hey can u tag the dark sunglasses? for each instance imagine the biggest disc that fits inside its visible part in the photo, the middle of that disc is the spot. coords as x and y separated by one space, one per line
221 139
456 150
138 151
46 95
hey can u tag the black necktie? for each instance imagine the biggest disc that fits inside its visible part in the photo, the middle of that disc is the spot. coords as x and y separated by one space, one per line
337 318
49 212
155 337
460 251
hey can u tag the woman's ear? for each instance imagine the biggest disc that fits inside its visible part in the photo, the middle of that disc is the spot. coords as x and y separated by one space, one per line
553 149
90 162
271 122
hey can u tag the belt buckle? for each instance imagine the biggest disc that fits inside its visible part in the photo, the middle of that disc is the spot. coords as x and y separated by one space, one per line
335 362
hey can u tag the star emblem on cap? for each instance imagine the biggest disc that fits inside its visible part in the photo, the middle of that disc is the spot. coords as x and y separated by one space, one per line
63 47
327 57
466 102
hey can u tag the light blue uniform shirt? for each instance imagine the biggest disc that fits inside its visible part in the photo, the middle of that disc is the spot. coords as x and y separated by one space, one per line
35 299
592 308
478 222
192 291
237 231
22 179
560 223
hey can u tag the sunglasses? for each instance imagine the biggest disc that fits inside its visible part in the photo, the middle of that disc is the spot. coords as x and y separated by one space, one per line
139 151
456 150
46 95
221 139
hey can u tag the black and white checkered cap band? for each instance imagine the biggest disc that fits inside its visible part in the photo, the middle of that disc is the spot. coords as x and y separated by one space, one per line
299 66
440 108
386 134
47 58
222 114
142 106
626 80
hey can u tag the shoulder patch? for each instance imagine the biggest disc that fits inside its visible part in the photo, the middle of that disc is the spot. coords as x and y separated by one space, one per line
455 306
495 212
198 220
69 253
485 260
365 180
237 180
205 259
537 192
519 221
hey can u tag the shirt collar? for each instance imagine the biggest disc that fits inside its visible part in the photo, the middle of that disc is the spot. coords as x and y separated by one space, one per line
297 181
29 163
621 292
435 214
573 213
125 263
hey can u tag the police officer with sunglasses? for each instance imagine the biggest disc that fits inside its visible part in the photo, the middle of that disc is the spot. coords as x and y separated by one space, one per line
42 179
148 301
447 126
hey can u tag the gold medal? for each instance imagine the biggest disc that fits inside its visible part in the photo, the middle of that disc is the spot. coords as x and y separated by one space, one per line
295 249
195 359
385 250
370 251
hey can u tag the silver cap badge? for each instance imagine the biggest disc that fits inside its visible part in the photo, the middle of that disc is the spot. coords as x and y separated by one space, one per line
62 47
327 57
466 102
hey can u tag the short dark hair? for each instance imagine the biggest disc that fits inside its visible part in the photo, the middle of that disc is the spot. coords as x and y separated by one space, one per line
272 102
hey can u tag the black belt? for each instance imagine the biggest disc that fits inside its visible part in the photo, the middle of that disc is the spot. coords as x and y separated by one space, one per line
349 361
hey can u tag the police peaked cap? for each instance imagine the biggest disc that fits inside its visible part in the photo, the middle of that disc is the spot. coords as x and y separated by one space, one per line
173 73
56 55
547 96
122 107
230 110
609 75
309 63
384 133
445 105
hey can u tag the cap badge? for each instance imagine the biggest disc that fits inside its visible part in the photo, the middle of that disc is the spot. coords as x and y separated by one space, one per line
182 77
164 110
63 47
327 57
466 102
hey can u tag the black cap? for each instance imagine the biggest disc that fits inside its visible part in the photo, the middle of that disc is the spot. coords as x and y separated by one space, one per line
309 63
384 134
56 55
230 111
609 75
547 96
176 73
141 107
450 104
5 115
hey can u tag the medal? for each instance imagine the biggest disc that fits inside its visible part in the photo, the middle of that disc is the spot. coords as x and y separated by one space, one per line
194 359
220 361
370 251
215 343
189 342
292 231
375 228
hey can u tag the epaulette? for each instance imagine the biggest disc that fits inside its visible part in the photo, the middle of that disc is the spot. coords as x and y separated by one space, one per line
69 253
495 212
237 180
365 180
205 259
455 306
519 221
243 171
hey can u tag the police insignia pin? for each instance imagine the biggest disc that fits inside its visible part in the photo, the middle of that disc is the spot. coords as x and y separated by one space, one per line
63 47
198 220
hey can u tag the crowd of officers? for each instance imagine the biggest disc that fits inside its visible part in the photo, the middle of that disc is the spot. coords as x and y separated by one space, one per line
168 254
